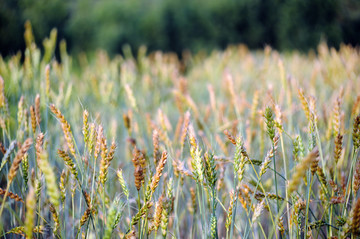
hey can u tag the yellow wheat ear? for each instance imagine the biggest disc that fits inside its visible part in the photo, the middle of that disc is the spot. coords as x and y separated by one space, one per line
157 214
30 213
66 129
230 210
50 178
2 93
14 168
355 220
68 161
55 216
123 183
301 168
18 158
159 170
12 195
37 110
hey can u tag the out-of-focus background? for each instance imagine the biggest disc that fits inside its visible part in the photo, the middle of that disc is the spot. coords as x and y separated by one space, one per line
178 25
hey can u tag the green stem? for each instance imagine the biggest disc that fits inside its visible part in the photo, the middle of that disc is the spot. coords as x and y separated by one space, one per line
319 145
139 206
192 228
266 198
275 179
349 183
201 210
234 207
104 209
204 212
128 206
249 223
286 177
214 209
176 209
39 210
4 199
73 210
262 230
311 179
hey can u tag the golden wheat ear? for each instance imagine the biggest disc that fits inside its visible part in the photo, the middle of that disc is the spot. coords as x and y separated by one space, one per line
66 129
18 158
300 170
355 219
159 170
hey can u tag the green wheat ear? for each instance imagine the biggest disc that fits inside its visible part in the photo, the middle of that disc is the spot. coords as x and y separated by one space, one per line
210 169
113 218
50 178
30 213
270 124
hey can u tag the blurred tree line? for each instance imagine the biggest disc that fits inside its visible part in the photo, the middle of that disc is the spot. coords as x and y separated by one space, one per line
175 25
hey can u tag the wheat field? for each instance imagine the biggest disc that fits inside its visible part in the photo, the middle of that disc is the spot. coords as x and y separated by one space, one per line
231 144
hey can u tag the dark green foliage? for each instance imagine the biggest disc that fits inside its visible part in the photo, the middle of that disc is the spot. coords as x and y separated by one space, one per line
176 25
304 23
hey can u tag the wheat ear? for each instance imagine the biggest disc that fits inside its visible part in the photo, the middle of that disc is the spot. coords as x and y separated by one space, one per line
14 168
12 196
30 213
159 170
50 179
37 110
66 129
300 170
